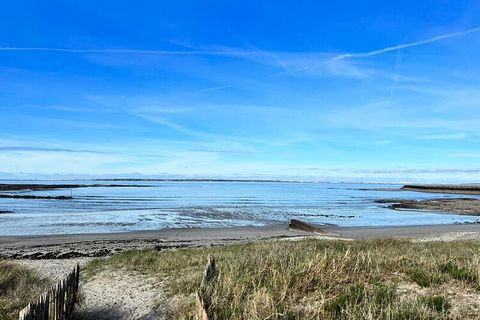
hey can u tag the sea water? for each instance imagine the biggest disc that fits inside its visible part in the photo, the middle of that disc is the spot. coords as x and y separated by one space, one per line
153 205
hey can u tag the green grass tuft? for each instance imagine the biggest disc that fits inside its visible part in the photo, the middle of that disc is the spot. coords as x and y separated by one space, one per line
354 295
422 277
459 273
436 303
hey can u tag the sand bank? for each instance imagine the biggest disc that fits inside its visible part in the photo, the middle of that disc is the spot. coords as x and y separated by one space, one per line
462 206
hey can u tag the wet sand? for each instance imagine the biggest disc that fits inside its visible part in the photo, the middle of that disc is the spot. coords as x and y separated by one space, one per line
461 206
97 245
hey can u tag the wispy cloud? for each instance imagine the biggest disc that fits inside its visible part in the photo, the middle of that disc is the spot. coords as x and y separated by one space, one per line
446 136
169 124
59 107
419 171
420 124
134 51
162 110
466 155
383 142
42 149
236 142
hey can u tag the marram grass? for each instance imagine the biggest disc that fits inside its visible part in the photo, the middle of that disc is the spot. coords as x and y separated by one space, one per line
18 286
319 279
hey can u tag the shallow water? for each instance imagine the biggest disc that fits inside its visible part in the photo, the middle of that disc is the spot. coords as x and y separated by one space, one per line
174 204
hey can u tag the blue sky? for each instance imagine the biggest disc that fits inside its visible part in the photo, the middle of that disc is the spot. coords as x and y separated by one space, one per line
345 90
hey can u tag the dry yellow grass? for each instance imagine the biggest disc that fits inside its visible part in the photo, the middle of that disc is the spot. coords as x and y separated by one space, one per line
320 279
18 286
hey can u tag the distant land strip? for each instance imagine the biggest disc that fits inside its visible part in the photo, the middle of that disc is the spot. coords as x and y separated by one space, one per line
444 188
37 187
199 180
18 196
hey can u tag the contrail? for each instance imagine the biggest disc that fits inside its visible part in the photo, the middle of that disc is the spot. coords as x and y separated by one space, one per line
131 51
244 53
220 52
343 57
390 49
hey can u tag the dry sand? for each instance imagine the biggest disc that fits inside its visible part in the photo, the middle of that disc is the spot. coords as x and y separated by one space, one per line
108 295
54 269
123 296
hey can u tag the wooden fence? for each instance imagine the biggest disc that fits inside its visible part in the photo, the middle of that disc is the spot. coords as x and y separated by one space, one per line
204 310
57 303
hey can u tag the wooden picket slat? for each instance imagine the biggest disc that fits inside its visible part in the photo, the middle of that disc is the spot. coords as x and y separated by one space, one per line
203 308
57 303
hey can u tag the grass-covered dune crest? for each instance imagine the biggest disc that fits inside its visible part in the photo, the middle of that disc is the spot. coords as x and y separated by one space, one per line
318 279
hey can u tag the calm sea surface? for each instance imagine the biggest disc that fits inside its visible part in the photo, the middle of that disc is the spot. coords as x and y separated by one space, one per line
160 204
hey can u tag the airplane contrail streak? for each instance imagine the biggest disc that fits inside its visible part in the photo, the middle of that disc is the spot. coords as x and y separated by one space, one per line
130 51
244 53
342 57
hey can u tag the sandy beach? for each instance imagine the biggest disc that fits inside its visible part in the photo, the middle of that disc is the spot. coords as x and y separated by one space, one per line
98 245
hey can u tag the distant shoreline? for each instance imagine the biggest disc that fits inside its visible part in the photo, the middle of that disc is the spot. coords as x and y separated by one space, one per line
201 180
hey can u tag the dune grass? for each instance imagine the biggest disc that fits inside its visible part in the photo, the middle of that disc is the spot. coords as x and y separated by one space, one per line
319 279
18 286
